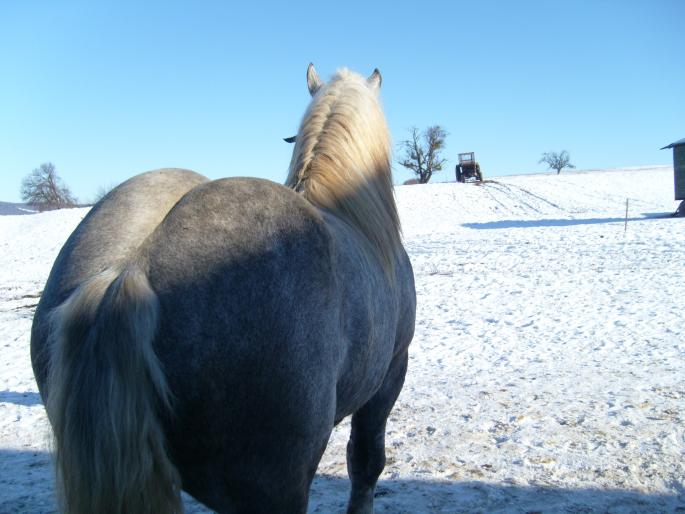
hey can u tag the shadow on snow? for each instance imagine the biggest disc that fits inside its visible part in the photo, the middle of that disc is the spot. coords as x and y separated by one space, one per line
503 224
455 497
27 487
27 399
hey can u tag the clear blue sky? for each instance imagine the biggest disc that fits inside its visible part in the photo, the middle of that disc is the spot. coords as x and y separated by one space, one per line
105 90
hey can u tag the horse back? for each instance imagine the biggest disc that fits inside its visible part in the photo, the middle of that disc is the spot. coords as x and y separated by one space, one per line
244 267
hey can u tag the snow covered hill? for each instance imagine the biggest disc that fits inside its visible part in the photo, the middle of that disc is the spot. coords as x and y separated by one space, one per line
7 208
547 372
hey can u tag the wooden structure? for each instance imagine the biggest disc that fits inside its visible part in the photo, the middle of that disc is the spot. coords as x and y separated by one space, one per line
679 173
468 168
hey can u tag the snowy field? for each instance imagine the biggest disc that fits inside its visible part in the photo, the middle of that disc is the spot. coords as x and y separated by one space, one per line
547 372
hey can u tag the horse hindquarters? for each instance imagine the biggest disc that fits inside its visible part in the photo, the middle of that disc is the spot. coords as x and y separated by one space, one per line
104 389
250 342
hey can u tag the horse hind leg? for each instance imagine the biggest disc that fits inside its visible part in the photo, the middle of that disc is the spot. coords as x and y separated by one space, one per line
366 447
263 470
265 486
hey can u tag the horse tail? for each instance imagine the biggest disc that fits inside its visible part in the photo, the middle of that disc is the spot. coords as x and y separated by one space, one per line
106 391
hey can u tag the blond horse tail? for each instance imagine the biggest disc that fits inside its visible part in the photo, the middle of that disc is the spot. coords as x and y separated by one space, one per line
105 392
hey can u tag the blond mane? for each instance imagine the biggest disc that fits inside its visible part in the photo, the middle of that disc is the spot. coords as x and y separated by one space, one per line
341 161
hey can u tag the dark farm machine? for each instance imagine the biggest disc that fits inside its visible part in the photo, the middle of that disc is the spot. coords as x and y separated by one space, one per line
468 168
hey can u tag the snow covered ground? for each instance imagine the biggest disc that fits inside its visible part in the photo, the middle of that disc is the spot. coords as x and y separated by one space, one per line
547 373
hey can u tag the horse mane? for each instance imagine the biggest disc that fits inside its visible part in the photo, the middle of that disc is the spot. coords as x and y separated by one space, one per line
341 161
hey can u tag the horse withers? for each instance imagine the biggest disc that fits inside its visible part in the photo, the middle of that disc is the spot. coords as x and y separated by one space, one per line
207 335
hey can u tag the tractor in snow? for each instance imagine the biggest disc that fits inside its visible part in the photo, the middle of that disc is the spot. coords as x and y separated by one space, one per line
468 168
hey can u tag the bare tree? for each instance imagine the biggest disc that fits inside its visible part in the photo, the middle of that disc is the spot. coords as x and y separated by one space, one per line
103 191
557 161
44 189
422 152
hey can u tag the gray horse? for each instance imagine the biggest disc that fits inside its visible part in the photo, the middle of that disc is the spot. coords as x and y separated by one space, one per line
207 335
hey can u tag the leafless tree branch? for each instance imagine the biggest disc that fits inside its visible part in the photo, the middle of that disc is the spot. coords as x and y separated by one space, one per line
44 189
557 161
422 152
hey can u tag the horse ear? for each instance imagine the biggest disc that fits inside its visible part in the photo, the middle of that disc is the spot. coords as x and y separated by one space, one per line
313 80
291 139
375 79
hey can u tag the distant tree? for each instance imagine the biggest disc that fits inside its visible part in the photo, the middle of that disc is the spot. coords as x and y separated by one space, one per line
557 161
44 189
422 152
410 182
102 192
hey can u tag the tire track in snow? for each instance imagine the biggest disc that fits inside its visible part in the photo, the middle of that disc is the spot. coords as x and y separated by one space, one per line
517 200
538 197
